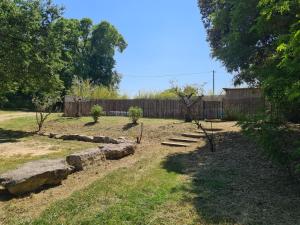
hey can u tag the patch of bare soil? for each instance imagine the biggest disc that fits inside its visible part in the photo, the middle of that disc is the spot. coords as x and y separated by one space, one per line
9 116
31 148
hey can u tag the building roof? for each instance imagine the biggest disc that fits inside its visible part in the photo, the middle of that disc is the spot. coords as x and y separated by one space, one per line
249 88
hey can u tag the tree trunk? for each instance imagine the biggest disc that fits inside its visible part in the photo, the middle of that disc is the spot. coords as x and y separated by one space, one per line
188 115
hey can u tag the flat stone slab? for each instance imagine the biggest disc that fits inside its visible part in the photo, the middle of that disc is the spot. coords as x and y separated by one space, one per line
118 151
77 137
193 135
107 140
85 138
175 144
199 131
2 190
33 175
188 140
85 159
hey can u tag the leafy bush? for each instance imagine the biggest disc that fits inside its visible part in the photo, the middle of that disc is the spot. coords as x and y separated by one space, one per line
96 112
277 139
135 113
232 115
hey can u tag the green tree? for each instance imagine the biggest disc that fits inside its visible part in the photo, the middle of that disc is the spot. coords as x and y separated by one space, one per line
74 50
105 40
258 41
30 49
40 51
88 51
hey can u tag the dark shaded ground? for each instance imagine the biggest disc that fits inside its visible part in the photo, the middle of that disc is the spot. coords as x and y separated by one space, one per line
90 124
12 135
236 185
129 126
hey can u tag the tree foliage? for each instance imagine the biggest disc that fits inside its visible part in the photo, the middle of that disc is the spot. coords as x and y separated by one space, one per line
29 48
41 51
88 51
258 41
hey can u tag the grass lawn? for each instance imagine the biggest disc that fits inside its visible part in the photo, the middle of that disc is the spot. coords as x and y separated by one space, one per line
157 185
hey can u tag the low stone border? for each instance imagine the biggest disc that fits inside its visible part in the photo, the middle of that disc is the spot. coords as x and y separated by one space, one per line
85 138
34 175
94 156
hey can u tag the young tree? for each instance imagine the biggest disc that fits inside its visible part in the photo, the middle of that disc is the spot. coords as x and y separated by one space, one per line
44 106
189 95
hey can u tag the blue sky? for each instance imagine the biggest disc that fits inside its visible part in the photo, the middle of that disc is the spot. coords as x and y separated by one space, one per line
166 41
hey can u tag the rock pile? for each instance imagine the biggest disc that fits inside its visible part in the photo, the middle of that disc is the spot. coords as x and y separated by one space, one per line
34 175
85 138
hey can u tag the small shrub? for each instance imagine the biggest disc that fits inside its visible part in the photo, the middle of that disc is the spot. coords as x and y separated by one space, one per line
232 115
135 113
96 112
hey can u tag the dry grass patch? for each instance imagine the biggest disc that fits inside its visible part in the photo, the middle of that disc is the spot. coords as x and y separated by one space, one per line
158 185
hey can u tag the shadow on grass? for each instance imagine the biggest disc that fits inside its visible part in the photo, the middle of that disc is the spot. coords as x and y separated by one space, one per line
129 126
236 185
90 124
7 136
213 129
5 196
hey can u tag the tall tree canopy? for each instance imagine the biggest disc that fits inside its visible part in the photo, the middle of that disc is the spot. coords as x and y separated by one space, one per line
41 51
258 41
88 51
29 48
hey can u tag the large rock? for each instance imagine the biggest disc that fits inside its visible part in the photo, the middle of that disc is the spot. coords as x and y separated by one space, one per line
85 159
33 175
113 151
107 140
2 190
77 137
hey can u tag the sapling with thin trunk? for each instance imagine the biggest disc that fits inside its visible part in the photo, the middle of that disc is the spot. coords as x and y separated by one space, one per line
44 106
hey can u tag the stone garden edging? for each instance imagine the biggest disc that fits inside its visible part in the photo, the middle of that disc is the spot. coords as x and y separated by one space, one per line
34 175
85 138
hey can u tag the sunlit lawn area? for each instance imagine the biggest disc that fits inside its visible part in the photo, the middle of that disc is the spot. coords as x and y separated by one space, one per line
157 185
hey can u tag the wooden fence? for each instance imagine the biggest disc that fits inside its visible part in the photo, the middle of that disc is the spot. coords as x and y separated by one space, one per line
153 108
